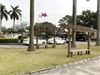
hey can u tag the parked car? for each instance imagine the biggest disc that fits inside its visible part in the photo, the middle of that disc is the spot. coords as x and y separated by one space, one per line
58 40
67 40
40 41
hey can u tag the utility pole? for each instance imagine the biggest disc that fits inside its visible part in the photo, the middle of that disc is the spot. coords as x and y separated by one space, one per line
0 19
98 23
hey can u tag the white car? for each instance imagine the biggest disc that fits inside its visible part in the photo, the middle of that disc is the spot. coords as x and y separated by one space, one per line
40 41
57 40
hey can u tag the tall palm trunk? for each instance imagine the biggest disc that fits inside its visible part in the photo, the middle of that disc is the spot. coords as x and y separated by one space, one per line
31 42
13 26
98 23
0 20
0 26
74 22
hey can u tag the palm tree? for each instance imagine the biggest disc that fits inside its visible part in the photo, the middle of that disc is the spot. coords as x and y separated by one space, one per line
4 14
74 22
14 14
31 42
98 23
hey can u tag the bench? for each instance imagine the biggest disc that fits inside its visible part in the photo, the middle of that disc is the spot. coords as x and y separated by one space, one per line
82 50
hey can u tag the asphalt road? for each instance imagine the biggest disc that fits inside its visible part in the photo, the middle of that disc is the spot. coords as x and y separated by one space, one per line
25 46
87 68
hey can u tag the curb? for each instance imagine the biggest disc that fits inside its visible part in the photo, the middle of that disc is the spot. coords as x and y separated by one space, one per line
45 70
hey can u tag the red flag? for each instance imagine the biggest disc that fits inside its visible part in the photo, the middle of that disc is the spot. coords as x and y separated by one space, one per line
42 14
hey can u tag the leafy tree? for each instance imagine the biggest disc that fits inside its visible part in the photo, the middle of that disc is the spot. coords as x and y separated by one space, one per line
4 29
66 20
38 25
14 14
86 18
10 29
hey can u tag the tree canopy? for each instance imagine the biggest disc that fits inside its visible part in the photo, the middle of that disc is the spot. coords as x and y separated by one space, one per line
86 18
38 25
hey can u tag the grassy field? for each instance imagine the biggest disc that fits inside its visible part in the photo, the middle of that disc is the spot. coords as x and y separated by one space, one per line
15 61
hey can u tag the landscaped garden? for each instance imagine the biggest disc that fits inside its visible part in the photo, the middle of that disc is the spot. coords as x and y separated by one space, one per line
15 61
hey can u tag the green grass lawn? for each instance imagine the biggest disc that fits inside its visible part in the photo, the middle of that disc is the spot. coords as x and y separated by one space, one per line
15 61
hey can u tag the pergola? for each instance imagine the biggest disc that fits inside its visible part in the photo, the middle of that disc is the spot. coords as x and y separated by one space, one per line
46 29
75 28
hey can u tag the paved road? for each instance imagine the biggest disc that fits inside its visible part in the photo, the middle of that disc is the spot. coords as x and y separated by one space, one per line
88 68
25 46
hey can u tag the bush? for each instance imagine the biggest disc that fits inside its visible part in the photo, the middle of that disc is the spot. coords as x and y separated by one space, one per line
8 40
26 36
41 37
93 39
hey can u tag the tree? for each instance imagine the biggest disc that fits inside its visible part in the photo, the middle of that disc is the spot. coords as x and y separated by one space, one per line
98 23
74 22
14 14
66 20
31 42
88 19
4 14
4 28
38 25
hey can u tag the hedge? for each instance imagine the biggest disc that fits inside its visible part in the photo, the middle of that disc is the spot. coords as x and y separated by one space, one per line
93 39
8 40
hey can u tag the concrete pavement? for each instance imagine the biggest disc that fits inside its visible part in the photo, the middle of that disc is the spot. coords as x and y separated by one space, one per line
87 68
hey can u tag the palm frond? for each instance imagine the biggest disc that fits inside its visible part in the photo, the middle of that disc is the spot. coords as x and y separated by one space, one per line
4 12
16 7
15 13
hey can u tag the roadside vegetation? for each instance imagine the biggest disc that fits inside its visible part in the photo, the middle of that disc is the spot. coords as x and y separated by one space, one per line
15 61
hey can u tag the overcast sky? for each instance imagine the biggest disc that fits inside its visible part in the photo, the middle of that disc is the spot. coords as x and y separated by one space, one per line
55 9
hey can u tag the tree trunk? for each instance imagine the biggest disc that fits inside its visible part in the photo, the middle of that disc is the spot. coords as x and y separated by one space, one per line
0 26
74 22
98 23
31 42
69 42
13 26
0 20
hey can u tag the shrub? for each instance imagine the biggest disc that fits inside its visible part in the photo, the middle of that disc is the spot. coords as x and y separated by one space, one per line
26 36
8 40
41 37
93 39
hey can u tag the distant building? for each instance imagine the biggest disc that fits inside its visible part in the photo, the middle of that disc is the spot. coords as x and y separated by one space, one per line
20 26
